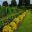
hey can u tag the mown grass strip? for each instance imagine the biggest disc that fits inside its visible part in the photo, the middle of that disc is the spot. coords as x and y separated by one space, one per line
26 25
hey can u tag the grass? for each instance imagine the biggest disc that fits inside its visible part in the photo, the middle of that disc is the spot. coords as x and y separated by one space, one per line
11 11
26 25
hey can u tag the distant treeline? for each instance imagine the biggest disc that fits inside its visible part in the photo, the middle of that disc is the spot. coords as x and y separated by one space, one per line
13 3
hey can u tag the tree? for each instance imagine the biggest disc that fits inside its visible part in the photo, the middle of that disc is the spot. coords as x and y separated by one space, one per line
5 3
20 2
13 3
27 2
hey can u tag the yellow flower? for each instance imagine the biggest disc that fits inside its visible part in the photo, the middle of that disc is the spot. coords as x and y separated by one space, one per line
16 20
7 29
21 17
13 25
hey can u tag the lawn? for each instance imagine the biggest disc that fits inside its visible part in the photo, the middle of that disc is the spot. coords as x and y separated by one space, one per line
26 25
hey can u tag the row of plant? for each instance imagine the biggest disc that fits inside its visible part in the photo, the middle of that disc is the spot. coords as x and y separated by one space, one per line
7 10
10 16
13 25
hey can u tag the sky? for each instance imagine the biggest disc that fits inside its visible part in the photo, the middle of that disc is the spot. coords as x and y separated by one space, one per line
30 1
9 1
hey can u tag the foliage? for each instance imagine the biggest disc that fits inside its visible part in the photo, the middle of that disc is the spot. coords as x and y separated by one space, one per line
7 12
3 11
13 3
5 3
